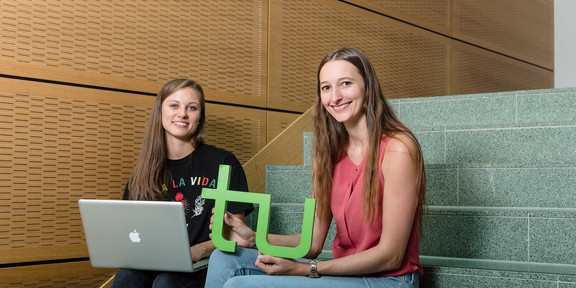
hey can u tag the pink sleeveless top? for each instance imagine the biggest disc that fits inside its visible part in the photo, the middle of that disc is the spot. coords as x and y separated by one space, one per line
353 234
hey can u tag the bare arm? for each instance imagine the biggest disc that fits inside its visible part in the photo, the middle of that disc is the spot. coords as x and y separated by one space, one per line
204 249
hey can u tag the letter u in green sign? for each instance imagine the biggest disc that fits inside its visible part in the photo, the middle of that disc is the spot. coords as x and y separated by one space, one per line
222 195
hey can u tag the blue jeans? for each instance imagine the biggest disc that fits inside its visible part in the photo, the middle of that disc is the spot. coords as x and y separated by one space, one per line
156 279
238 270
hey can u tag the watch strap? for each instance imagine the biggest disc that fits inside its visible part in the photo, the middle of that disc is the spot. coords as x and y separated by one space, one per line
313 269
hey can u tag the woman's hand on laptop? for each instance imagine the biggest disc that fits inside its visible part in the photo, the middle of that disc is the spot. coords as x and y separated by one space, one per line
201 250
235 230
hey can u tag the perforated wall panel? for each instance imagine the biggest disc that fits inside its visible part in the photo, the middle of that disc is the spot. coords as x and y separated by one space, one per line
56 151
277 122
241 131
479 71
218 43
518 28
409 62
431 14
76 274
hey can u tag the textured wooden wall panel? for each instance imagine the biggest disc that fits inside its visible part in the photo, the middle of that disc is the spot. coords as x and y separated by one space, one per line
60 144
518 28
285 149
277 122
74 274
409 62
218 43
239 130
478 71
431 14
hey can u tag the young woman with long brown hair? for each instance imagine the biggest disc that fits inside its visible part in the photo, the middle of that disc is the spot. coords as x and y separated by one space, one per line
368 176
174 165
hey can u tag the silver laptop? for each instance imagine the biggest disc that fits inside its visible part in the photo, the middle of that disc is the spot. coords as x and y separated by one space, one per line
144 235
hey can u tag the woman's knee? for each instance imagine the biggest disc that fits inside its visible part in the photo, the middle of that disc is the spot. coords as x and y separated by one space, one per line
133 278
170 279
238 281
217 254
164 280
227 259
221 259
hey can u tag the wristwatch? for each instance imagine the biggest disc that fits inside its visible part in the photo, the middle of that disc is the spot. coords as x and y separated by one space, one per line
313 271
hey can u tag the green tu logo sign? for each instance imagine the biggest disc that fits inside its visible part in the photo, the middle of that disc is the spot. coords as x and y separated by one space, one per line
222 195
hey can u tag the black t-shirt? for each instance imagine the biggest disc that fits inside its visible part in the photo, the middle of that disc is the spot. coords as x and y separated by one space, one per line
192 173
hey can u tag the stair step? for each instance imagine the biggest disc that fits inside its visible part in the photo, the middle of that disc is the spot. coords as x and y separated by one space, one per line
544 107
540 235
442 277
551 187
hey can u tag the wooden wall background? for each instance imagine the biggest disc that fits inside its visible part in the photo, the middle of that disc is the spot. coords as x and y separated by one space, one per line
77 80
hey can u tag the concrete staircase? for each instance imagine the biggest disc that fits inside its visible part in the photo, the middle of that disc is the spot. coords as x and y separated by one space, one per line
501 170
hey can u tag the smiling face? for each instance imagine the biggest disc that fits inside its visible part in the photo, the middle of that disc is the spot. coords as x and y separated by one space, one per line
181 114
342 91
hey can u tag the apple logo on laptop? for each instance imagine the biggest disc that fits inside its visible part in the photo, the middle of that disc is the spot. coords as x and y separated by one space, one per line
134 236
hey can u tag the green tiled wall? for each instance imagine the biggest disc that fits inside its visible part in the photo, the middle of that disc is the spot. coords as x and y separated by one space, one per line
501 172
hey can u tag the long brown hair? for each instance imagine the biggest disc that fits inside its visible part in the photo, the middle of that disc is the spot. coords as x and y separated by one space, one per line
332 138
151 169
